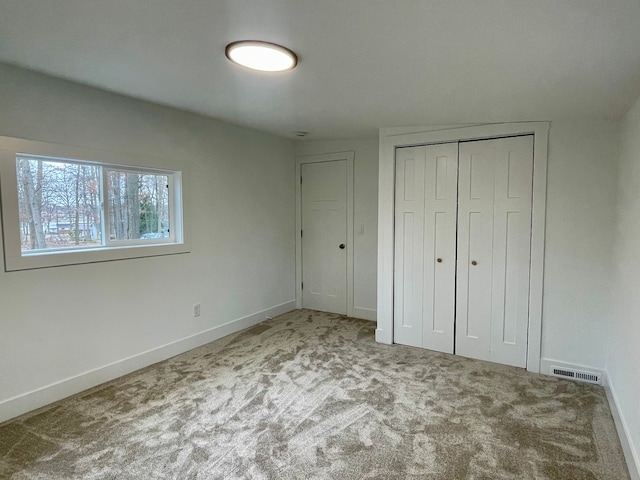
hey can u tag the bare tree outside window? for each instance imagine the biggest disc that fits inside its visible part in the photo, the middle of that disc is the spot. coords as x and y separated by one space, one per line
139 205
61 204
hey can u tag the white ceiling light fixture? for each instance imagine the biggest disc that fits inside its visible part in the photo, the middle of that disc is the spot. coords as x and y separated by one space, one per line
262 56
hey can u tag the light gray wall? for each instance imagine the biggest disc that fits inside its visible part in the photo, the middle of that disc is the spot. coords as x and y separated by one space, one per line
365 213
61 322
623 365
581 190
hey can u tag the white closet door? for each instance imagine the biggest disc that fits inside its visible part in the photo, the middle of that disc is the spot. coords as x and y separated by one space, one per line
324 226
494 249
425 231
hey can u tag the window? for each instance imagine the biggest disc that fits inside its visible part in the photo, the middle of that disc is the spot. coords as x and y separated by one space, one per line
138 206
64 210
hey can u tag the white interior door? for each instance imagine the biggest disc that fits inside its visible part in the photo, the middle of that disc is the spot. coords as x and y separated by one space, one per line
425 231
324 236
494 249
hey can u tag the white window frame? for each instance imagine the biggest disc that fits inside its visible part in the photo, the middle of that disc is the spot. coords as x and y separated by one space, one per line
14 259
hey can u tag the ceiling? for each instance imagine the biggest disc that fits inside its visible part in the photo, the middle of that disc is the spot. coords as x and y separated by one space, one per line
363 63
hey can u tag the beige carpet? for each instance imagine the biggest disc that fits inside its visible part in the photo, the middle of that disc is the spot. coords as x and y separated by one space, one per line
310 395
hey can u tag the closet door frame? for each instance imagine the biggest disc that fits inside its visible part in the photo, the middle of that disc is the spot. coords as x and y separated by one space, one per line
392 138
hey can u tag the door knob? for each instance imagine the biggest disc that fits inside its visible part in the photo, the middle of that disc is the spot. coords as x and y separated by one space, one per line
342 246
439 260
473 262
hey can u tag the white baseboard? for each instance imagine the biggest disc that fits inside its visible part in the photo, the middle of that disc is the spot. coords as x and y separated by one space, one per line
545 367
40 397
630 452
365 313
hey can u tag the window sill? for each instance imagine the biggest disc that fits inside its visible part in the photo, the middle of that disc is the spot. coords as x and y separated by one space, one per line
91 255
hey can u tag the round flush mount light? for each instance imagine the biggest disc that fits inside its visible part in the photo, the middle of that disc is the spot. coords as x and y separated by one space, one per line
263 56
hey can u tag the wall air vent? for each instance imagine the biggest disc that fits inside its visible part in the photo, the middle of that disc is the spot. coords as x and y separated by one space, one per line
574 374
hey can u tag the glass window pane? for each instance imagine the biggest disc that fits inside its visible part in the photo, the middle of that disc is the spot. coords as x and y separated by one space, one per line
138 205
59 204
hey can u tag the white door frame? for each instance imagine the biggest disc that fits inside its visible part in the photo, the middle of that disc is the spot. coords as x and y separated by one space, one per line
326 157
393 138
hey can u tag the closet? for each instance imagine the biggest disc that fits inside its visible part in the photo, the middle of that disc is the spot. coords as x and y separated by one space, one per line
463 247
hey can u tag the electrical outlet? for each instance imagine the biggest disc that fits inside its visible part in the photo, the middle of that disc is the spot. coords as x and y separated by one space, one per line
196 310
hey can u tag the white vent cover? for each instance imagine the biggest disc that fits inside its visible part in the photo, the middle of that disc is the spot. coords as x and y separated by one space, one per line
583 376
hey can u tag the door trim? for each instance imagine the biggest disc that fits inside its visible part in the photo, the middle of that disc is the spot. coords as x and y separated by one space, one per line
326 157
393 138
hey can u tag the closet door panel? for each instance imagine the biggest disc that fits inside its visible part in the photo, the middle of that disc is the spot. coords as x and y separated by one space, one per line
440 209
475 250
409 241
492 306
512 240
425 237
